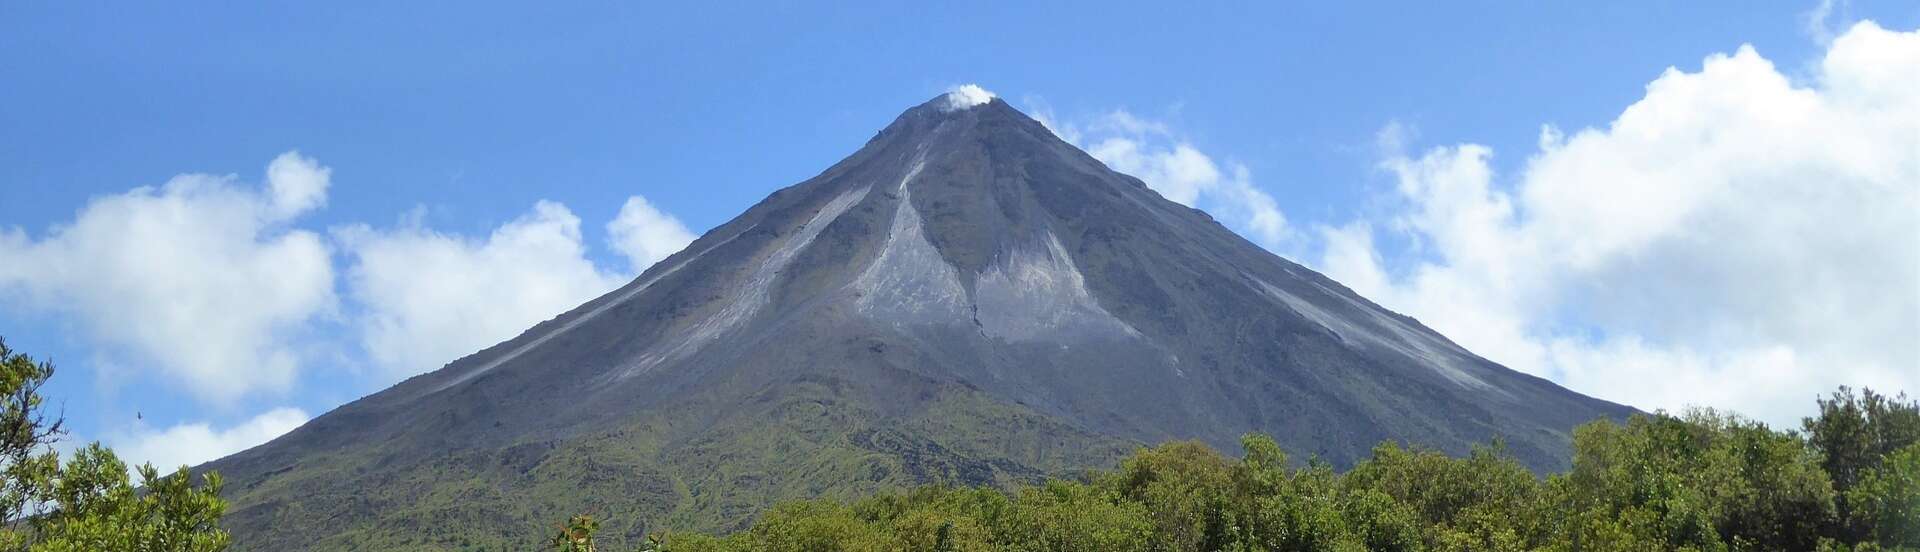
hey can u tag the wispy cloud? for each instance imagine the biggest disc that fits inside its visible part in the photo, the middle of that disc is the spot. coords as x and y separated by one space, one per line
1818 22
191 444
1153 152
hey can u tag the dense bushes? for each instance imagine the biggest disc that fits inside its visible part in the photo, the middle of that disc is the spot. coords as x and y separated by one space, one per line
89 503
1702 481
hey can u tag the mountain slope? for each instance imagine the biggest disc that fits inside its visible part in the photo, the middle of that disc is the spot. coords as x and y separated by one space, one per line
965 298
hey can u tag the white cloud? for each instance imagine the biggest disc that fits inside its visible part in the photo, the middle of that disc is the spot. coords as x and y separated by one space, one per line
645 235
205 280
1178 172
297 184
1393 138
1038 109
966 96
199 278
1150 151
1730 240
1125 123
430 298
197 443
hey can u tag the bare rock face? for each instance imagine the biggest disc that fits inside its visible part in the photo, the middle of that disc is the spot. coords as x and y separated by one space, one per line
967 298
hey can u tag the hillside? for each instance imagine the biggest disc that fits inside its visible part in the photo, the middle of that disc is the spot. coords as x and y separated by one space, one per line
967 298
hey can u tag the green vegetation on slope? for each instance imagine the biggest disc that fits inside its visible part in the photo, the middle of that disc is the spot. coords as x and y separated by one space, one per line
810 440
1850 480
1703 481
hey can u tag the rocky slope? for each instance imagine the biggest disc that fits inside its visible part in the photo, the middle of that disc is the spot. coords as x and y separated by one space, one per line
966 298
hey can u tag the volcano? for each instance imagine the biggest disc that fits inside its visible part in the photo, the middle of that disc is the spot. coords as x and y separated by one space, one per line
966 299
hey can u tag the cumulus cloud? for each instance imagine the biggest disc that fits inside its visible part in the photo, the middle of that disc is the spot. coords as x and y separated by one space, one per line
645 235
1151 151
296 185
1177 171
431 297
966 96
199 278
206 280
1731 239
196 443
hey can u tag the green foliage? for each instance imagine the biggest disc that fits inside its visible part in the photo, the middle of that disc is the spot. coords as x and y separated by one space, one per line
676 470
1701 481
1886 500
1852 434
576 535
1486 501
26 465
90 504
1189 482
100 509
1706 481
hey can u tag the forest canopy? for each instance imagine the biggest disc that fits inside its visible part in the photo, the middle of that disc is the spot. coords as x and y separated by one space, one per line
1703 480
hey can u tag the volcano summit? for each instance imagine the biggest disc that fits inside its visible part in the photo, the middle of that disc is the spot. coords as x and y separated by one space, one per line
966 298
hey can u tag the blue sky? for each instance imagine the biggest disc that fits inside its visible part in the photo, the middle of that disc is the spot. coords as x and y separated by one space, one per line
439 124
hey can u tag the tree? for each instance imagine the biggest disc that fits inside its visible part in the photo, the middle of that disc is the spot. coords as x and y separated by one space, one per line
1886 500
1852 434
26 435
1186 487
99 509
1706 481
1074 517
1486 501
1702 481
89 504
